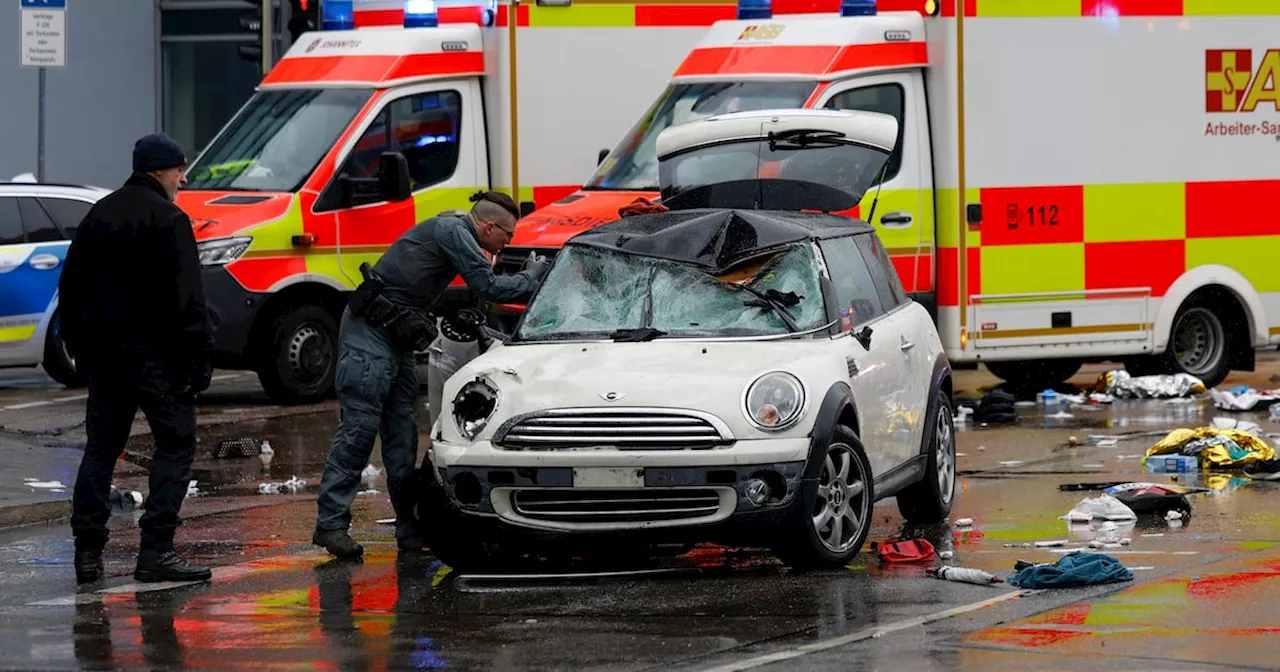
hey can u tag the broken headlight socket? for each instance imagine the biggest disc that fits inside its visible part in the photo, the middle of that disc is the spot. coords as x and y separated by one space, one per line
775 401
473 406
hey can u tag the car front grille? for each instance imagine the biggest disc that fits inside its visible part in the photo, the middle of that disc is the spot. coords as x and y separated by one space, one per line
613 428
574 508
511 259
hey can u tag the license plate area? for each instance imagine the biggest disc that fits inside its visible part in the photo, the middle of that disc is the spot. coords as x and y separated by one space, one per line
608 477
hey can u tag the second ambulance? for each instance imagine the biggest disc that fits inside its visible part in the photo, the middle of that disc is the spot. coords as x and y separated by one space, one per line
1075 180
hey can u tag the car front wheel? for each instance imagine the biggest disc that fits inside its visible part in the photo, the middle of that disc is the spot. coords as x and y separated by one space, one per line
837 519
929 499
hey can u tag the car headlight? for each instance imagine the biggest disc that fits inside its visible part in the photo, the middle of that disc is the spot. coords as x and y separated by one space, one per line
223 251
473 406
775 401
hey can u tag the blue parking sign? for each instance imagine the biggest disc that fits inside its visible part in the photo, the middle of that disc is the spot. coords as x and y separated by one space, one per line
43 4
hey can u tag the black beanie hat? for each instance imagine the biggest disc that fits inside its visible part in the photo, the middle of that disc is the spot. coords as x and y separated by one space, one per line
157 152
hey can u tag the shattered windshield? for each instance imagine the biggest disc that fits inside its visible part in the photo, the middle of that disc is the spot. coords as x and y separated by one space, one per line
592 293
275 142
633 164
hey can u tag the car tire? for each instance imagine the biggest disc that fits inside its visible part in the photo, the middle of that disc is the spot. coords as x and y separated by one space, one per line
1198 344
929 500
300 355
815 542
1035 374
58 362
444 528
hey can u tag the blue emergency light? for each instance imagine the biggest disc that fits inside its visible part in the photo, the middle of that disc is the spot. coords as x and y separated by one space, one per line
857 7
754 9
337 15
420 14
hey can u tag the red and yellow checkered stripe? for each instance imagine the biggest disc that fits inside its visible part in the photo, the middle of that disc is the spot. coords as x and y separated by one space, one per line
1108 236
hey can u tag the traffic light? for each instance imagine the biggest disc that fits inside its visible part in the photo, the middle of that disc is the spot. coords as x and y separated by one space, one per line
304 15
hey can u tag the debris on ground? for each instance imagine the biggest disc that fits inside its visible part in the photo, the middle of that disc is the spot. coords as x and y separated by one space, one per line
55 486
1243 398
239 447
1071 571
996 407
909 550
1214 447
126 500
1265 470
369 475
1150 498
964 575
964 522
293 485
192 490
1120 385
1102 507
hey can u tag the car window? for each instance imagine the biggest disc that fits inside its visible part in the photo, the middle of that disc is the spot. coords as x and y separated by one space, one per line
882 271
10 223
67 213
857 298
40 229
885 98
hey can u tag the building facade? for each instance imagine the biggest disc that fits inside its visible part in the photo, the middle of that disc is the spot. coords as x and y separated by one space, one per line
132 67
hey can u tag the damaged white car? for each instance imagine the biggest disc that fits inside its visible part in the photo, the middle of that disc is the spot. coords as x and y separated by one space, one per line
742 368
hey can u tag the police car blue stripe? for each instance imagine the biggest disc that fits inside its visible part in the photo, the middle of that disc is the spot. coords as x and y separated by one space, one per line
25 290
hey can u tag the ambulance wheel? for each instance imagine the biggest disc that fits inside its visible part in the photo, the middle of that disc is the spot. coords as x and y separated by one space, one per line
301 355
58 362
1198 344
1035 374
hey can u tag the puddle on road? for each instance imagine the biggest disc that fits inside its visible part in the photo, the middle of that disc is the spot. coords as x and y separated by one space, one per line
300 444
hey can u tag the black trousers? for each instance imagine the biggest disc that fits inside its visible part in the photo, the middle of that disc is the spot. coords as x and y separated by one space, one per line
114 399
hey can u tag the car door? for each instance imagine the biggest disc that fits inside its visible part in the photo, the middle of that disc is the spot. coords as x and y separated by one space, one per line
876 370
431 125
904 213
908 320
31 253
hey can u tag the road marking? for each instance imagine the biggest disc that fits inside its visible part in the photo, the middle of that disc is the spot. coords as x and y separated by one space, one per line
29 404
226 376
865 633
77 397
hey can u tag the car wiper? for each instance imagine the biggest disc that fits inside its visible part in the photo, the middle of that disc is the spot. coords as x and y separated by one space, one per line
776 301
801 139
639 335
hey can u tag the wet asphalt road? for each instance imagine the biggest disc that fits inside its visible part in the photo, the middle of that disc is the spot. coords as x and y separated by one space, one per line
1203 595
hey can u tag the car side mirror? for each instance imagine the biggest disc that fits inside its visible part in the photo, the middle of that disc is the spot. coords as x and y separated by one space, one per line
604 153
864 337
393 177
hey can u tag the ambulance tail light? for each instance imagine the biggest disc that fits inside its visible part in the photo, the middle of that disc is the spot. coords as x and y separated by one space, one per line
337 15
420 14
857 7
754 9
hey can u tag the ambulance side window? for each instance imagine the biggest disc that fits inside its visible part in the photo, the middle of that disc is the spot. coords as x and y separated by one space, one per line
426 129
884 98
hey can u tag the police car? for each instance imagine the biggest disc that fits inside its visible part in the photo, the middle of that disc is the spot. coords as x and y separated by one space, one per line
37 222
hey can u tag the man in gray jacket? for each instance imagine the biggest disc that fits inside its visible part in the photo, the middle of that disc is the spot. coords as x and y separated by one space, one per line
384 323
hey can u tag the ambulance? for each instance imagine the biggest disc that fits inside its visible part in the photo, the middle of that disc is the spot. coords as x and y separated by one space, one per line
394 112
1075 180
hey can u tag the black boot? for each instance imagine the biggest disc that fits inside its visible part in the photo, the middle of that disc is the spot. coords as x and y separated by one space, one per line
165 565
337 542
88 564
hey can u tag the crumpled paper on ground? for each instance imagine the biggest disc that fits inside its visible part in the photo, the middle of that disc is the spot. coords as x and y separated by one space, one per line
1121 385
1221 448
293 485
1102 507
1242 398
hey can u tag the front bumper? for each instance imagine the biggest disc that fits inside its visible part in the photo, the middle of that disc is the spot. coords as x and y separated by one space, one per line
232 310
664 495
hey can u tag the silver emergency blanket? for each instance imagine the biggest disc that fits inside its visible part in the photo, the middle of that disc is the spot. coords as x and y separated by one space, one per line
1121 385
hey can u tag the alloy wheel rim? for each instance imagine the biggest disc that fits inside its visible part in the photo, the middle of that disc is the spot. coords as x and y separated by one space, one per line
842 508
946 459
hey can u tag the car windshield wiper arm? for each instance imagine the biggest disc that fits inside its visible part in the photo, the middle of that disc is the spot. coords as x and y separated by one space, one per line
639 335
777 301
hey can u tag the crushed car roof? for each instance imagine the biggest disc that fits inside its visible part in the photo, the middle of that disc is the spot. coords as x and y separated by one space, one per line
714 239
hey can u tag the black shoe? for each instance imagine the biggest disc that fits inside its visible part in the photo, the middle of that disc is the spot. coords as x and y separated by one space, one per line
155 566
411 543
88 565
337 542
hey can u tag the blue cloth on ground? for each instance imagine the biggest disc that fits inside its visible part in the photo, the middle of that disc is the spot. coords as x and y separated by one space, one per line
1072 571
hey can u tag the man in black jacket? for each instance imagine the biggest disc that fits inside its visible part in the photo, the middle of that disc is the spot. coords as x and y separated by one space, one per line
132 312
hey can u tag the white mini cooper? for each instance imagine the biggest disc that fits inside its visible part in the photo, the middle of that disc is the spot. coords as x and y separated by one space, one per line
743 368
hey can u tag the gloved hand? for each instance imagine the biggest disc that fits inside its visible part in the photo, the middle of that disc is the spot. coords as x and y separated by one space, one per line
199 376
537 265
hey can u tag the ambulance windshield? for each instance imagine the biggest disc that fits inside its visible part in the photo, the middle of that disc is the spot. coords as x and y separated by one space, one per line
275 142
633 164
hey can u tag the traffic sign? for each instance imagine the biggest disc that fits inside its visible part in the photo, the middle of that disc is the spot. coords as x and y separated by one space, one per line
44 33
